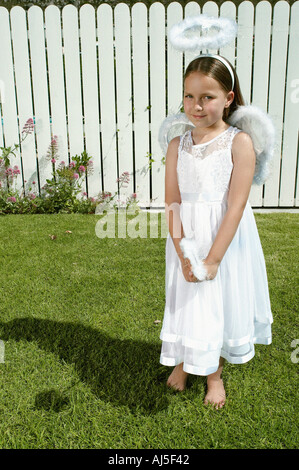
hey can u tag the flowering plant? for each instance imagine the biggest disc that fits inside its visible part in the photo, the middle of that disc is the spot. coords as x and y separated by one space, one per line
60 193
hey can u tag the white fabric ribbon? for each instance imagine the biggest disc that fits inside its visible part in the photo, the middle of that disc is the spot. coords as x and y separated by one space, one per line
202 197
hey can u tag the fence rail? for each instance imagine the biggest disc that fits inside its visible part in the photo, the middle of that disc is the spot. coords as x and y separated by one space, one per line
104 79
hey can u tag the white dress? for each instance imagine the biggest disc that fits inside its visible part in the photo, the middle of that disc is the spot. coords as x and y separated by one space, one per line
225 316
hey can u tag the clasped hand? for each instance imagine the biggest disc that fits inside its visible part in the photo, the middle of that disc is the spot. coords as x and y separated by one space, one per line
189 276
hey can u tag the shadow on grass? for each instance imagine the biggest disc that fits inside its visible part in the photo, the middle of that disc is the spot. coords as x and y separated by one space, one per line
124 372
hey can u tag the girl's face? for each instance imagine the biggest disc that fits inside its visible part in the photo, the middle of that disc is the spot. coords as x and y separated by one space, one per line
205 100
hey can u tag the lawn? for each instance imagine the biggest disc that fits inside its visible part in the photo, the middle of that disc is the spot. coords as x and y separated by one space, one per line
82 347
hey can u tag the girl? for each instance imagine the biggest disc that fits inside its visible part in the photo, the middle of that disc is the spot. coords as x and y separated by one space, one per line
208 175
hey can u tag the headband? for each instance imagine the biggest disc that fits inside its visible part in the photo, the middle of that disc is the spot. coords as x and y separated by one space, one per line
218 57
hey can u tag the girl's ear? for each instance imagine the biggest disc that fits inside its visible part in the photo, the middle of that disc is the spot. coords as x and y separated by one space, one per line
229 99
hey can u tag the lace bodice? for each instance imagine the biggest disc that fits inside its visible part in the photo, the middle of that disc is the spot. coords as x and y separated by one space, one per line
205 168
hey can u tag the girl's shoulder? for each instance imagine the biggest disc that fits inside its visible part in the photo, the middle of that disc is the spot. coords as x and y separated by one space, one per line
240 137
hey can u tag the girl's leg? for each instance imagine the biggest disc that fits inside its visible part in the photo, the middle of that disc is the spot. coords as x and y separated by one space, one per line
216 393
178 378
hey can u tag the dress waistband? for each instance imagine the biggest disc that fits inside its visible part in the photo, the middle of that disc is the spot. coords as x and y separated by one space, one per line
202 197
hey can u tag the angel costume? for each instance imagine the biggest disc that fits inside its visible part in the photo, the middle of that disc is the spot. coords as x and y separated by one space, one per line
225 316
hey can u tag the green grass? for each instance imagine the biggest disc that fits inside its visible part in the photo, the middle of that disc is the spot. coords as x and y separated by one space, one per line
82 350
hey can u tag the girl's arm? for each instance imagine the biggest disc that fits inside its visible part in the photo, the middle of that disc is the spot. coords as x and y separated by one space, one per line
241 180
172 206
173 196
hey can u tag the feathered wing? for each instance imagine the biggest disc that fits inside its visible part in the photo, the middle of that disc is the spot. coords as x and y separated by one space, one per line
172 126
258 124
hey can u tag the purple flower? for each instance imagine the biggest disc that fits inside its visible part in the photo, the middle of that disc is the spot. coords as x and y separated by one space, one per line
28 126
53 148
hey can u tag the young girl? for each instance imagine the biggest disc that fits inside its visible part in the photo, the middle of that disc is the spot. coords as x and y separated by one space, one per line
208 176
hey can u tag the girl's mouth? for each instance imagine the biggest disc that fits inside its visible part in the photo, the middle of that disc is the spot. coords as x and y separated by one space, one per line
198 117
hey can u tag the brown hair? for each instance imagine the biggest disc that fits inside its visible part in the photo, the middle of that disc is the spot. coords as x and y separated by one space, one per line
212 67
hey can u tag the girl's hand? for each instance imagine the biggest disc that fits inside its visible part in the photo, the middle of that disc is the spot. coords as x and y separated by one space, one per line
187 271
211 268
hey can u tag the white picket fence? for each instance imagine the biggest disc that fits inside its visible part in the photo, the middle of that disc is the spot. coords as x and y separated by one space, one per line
102 81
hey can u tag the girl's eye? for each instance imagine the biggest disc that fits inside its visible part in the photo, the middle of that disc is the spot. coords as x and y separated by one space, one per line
209 97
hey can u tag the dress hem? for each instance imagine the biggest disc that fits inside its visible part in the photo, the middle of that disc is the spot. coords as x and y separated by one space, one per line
196 370
213 345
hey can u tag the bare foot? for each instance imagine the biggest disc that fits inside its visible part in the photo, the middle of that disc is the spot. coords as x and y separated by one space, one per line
178 378
216 393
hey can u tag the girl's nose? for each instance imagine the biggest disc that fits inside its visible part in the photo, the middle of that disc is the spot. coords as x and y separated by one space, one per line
198 105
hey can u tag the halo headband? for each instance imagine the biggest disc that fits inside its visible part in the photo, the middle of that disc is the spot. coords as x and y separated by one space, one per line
218 57
227 31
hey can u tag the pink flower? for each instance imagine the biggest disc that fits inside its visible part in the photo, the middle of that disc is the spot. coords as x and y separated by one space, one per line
11 199
53 160
72 164
32 196
28 126
33 182
84 194
53 148
134 195
76 176
62 163
82 168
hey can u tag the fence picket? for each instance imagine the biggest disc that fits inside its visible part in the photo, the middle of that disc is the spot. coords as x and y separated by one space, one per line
9 105
23 88
290 135
90 95
276 95
141 102
191 9
56 78
40 93
73 79
158 99
174 63
107 96
124 95
260 77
